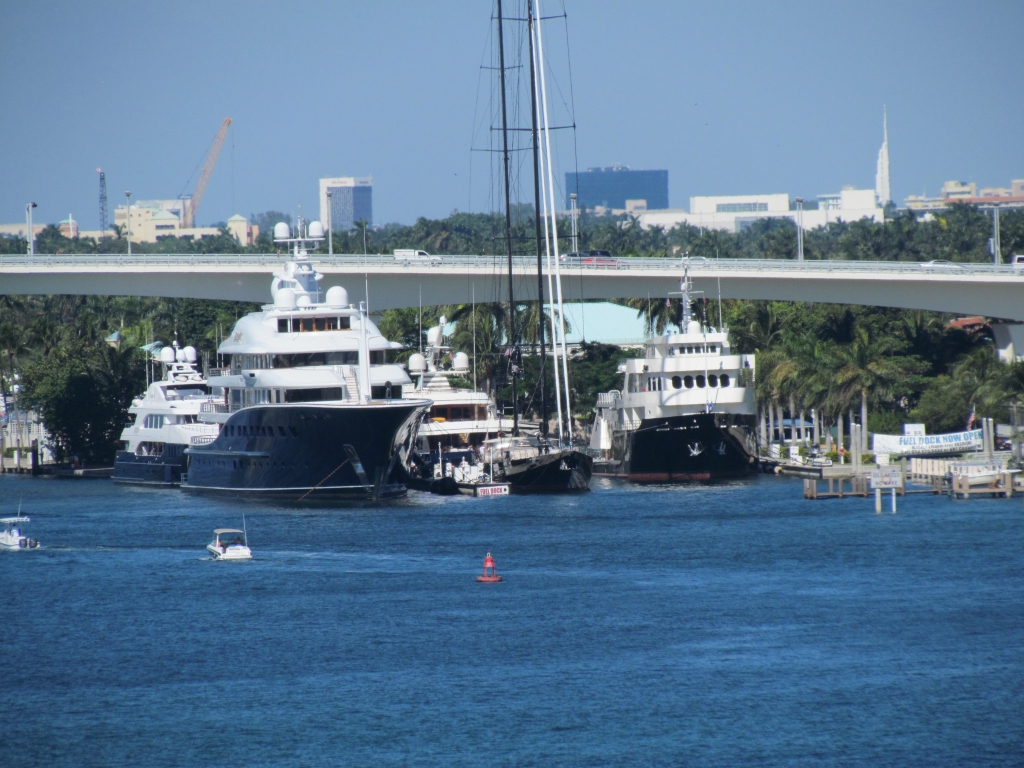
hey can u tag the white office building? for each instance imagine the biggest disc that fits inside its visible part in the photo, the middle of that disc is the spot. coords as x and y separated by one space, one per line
351 201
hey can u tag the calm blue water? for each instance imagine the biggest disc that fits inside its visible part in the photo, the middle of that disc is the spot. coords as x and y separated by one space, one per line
713 626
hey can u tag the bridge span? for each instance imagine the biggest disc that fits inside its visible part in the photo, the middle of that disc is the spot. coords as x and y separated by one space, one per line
969 289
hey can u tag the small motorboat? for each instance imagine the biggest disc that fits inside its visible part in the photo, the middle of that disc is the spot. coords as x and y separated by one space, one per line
229 544
12 537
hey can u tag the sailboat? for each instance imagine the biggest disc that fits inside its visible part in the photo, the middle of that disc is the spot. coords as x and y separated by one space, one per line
536 463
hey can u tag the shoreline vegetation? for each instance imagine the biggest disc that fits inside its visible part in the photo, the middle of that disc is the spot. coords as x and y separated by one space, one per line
80 363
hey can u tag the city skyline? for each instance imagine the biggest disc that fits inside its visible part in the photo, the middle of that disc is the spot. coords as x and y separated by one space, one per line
746 105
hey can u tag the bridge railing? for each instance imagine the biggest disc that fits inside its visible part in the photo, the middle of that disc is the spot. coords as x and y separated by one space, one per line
387 262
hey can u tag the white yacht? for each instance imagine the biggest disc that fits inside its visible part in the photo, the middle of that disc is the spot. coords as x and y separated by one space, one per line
459 421
12 538
234 545
166 422
686 411
308 409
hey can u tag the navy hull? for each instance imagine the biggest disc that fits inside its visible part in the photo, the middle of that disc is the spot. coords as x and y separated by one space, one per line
308 452
702 446
164 470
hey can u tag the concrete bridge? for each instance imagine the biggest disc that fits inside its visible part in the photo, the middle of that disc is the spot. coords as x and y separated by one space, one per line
969 289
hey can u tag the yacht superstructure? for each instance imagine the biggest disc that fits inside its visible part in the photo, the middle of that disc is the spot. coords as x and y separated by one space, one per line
308 408
460 419
686 411
166 420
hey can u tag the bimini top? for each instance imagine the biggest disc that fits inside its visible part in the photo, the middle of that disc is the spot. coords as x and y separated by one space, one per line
219 531
12 520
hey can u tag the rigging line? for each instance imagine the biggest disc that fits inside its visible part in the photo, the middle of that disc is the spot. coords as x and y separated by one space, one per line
572 106
528 130
472 132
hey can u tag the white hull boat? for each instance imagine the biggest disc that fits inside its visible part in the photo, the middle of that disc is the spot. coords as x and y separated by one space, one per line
12 538
224 548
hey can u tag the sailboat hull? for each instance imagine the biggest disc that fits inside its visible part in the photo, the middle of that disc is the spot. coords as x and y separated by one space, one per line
556 472
679 449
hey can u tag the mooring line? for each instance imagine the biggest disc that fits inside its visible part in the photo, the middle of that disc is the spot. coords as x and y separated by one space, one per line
324 480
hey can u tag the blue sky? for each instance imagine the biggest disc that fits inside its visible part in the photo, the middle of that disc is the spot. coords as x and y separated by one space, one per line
731 98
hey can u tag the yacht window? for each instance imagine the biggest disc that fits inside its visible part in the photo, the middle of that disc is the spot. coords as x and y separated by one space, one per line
283 325
713 348
342 358
307 324
688 381
377 358
723 380
677 382
320 323
700 380
712 380
344 323
281 432
332 323
312 395
689 350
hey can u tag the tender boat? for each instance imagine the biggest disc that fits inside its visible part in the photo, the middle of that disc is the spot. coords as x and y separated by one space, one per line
12 537
233 546
686 410
308 410
166 422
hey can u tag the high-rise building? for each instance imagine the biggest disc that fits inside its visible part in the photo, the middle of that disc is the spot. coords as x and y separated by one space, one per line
882 174
351 201
611 187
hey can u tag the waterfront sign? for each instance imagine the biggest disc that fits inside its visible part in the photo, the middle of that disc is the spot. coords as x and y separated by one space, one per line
887 477
919 445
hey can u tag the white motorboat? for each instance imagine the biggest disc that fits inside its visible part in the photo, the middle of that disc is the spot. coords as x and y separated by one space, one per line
12 537
233 545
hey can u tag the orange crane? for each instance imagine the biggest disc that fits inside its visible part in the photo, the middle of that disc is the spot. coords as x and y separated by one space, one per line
204 177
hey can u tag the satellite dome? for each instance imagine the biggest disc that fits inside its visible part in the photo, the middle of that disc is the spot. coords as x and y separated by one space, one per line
285 299
461 361
190 354
316 229
434 336
417 363
303 301
694 327
282 231
179 355
337 297
167 355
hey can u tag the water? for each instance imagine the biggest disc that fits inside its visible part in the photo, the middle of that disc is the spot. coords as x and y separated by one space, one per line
714 626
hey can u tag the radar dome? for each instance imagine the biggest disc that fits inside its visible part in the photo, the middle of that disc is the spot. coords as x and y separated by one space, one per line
417 363
179 355
316 229
303 301
337 297
434 336
282 231
285 299
461 361
167 355
190 354
693 327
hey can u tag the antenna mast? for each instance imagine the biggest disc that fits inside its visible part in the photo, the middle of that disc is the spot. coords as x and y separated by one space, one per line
536 220
103 201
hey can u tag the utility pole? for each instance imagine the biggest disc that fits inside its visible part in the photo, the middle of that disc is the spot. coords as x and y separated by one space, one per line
799 229
996 258
575 214
31 233
128 198
330 228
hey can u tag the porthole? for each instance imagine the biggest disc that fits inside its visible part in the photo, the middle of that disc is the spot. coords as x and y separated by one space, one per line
723 380
712 380
700 380
677 382
688 381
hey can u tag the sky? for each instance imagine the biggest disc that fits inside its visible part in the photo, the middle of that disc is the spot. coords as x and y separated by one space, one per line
731 98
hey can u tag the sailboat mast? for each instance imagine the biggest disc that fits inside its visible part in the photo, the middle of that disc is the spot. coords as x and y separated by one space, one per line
512 340
536 220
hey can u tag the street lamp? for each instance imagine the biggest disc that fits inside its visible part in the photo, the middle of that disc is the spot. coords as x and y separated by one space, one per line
128 199
330 233
31 232
799 229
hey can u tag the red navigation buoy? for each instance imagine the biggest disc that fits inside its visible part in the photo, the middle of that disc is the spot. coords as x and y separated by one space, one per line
490 575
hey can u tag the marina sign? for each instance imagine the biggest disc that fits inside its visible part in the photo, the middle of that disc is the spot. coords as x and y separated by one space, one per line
920 445
887 477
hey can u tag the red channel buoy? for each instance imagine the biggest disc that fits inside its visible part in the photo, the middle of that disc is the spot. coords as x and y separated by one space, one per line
490 575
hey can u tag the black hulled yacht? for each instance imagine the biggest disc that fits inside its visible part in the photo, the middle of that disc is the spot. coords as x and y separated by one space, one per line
309 410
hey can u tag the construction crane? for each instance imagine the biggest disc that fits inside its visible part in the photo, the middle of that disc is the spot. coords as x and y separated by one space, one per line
103 201
204 177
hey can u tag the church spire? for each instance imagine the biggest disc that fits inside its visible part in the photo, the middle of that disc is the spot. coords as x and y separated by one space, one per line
882 175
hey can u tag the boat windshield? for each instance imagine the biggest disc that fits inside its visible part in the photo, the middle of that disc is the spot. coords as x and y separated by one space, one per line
187 392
